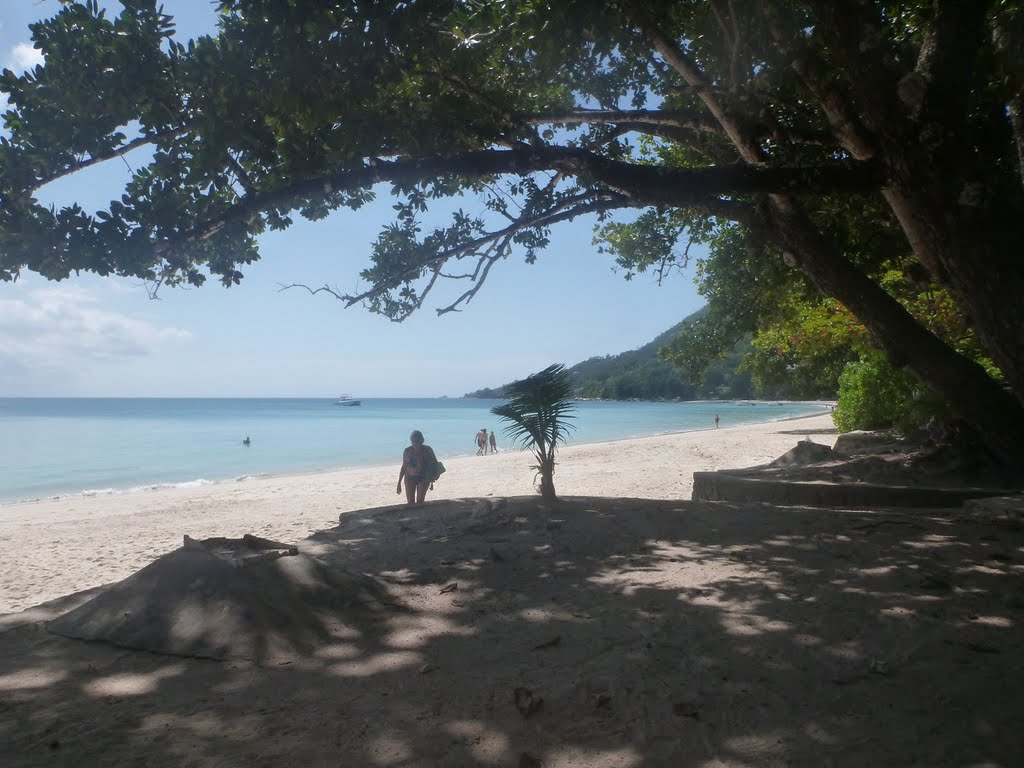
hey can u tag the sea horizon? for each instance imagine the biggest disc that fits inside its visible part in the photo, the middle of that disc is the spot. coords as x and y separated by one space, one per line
56 447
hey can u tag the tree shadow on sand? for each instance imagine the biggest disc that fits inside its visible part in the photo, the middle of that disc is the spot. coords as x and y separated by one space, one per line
654 632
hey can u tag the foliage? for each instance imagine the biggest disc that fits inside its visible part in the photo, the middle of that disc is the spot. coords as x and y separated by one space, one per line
652 380
873 395
729 377
539 416
806 143
635 374
806 351
642 374
801 341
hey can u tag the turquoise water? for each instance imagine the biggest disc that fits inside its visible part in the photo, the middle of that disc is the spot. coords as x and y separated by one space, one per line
53 447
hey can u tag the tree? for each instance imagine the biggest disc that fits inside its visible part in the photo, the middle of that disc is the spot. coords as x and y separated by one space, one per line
872 396
772 116
539 413
801 342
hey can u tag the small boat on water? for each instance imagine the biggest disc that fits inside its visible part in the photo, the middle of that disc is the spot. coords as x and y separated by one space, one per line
347 400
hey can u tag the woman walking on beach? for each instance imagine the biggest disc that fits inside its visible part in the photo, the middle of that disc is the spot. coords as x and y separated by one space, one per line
418 469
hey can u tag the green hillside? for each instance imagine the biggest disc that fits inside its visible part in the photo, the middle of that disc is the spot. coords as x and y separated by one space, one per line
639 375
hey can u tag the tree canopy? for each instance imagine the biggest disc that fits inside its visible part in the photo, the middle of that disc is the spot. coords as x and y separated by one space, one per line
771 123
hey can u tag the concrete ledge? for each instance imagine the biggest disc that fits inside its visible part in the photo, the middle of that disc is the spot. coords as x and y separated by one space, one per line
723 486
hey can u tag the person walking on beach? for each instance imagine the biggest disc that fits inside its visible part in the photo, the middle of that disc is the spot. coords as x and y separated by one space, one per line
716 421
481 442
494 443
418 468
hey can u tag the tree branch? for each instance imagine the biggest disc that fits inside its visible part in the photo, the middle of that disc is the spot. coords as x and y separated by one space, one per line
124 149
842 117
731 39
489 249
645 117
872 69
481 98
1011 68
683 127
695 78
637 186
700 189
946 60
688 129
240 174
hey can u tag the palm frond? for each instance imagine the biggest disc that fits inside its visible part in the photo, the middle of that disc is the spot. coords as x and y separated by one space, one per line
539 411
539 416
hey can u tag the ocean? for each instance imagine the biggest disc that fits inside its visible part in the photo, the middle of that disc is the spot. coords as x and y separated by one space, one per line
52 447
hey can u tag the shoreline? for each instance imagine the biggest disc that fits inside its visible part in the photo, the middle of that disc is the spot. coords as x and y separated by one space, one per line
203 482
61 546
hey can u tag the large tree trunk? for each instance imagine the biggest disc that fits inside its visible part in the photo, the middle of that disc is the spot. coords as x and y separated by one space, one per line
971 393
972 237
952 182
962 220
948 221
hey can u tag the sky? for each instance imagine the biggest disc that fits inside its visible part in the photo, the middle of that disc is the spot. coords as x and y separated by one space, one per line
90 336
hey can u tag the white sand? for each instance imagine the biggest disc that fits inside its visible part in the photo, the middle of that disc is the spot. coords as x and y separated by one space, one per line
656 632
56 547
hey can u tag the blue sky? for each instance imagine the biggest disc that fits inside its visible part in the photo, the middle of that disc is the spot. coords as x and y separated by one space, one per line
104 337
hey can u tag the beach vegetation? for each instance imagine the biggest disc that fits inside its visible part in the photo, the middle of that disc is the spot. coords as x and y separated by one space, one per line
539 416
805 345
814 141
872 395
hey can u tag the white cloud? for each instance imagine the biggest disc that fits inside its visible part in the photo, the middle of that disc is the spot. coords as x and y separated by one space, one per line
62 331
23 56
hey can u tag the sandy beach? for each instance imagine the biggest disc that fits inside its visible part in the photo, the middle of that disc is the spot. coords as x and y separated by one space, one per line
56 547
622 626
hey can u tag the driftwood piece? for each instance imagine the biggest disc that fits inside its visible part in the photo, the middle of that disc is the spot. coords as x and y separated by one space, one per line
243 552
258 542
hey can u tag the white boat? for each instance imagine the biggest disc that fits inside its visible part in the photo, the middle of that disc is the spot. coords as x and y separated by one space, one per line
347 400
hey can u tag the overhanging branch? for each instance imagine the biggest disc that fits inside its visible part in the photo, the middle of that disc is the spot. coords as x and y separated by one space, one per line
488 248
650 118
120 151
699 188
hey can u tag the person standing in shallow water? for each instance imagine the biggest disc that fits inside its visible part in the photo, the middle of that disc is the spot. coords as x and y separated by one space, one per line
494 442
418 466
716 421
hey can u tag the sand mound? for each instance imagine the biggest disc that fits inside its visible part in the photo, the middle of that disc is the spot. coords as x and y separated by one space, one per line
222 599
805 452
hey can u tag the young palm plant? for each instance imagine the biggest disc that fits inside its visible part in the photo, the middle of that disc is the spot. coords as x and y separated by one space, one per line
539 416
